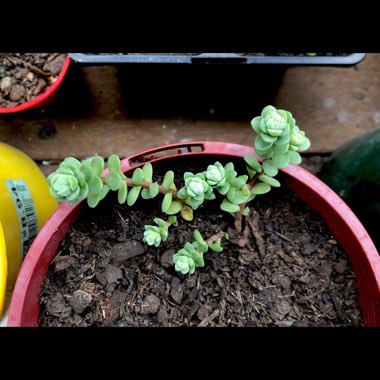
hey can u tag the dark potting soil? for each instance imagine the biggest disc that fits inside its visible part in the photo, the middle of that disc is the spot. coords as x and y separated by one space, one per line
24 76
286 269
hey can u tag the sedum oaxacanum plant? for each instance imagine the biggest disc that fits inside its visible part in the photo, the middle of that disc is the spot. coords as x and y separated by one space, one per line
279 142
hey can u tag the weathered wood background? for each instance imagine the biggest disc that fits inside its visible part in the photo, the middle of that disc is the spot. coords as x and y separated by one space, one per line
126 109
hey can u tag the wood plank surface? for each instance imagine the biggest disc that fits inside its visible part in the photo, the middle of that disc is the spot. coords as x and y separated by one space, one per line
106 109
332 104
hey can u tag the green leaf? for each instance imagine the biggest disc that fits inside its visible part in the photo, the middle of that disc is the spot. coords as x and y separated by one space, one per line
137 176
245 211
264 153
198 259
133 194
73 162
250 171
283 139
173 220
160 222
305 145
113 181
229 207
199 247
86 170
166 202
174 207
280 149
198 237
72 182
216 247
145 194
280 160
95 185
260 188
74 196
267 109
187 213
252 162
189 248
294 158
182 193
231 194
228 167
84 191
252 196
269 168
104 192
122 193
238 198
114 163
153 189
209 196
245 191
260 144
65 168
93 199
270 181
239 181
193 203
230 175
268 138
188 175
223 190
80 177
255 123
168 179
164 233
148 172
97 165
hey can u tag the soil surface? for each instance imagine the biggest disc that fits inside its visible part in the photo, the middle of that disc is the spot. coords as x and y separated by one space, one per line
286 269
25 76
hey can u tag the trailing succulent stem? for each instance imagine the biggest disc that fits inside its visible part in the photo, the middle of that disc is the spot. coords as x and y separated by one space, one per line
191 255
278 144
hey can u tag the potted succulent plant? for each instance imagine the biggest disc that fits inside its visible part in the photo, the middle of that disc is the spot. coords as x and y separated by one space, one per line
30 80
208 253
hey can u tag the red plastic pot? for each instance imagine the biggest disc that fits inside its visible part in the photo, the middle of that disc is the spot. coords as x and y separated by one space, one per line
365 260
46 97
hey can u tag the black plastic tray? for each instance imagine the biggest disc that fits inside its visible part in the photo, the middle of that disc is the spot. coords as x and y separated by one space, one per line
215 58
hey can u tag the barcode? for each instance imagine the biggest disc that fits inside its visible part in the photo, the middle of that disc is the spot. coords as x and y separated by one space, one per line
26 212
31 217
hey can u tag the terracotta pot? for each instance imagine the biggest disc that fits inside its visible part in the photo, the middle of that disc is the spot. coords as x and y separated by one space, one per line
46 97
365 260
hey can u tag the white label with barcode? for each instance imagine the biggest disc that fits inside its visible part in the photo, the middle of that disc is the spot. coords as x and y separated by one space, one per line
26 212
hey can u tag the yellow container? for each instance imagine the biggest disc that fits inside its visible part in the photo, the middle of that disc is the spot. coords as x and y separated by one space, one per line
25 205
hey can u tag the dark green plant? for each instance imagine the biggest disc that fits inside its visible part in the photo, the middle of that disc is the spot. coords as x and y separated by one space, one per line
278 143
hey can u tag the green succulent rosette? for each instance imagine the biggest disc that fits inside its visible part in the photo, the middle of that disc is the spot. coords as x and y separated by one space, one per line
68 183
183 262
216 175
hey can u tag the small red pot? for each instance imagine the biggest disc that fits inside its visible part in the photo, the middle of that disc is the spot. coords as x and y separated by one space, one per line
24 309
46 97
